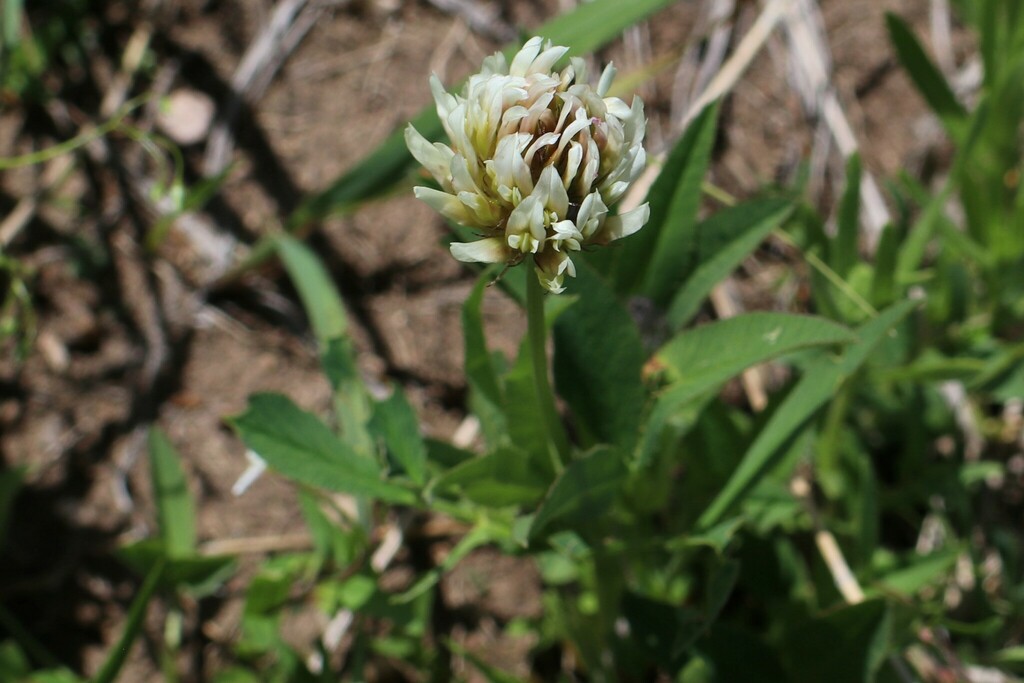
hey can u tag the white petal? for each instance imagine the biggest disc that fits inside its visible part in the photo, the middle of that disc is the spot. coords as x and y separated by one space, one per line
444 101
543 63
607 76
435 157
488 250
624 225
521 62
447 205
551 192
572 163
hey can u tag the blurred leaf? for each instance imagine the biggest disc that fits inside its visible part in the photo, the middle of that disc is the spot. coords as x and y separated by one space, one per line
660 632
883 286
597 363
319 296
926 76
486 396
819 383
705 357
198 574
504 477
301 447
395 421
717 537
352 403
118 654
759 661
660 256
175 510
11 33
523 412
846 248
583 493
583 30
723 241
845 646
922 572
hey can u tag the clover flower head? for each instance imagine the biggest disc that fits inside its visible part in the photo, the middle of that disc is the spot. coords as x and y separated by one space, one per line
536 157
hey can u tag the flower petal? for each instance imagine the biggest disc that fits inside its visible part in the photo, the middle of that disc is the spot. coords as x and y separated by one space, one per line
524 58
624 225
447 205
435 157
487 250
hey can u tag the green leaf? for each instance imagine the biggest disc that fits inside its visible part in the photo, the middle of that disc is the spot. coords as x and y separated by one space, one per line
664 250
845 646
302 448
924 571
523 412
395 421
316 289
504 477
926 76
845 250
198 574
352 403
583 492
11 33
724 240
598 359
705 357
883 284
175 510
583 30
820 382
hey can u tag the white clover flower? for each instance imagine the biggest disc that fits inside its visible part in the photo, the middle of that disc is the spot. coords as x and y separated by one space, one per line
536 159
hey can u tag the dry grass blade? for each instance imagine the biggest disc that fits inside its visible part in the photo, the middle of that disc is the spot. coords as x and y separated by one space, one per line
810 70
291 21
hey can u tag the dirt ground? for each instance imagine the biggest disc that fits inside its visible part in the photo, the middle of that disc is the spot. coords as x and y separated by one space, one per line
126 338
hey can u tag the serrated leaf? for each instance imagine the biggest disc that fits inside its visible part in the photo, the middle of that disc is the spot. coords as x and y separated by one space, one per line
660 256
724 240
821 380
598 359
301 447
583 492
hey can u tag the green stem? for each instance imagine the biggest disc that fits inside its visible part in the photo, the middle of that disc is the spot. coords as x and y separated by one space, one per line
558 443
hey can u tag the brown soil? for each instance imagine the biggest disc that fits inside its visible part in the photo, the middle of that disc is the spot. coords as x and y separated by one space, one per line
126 339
